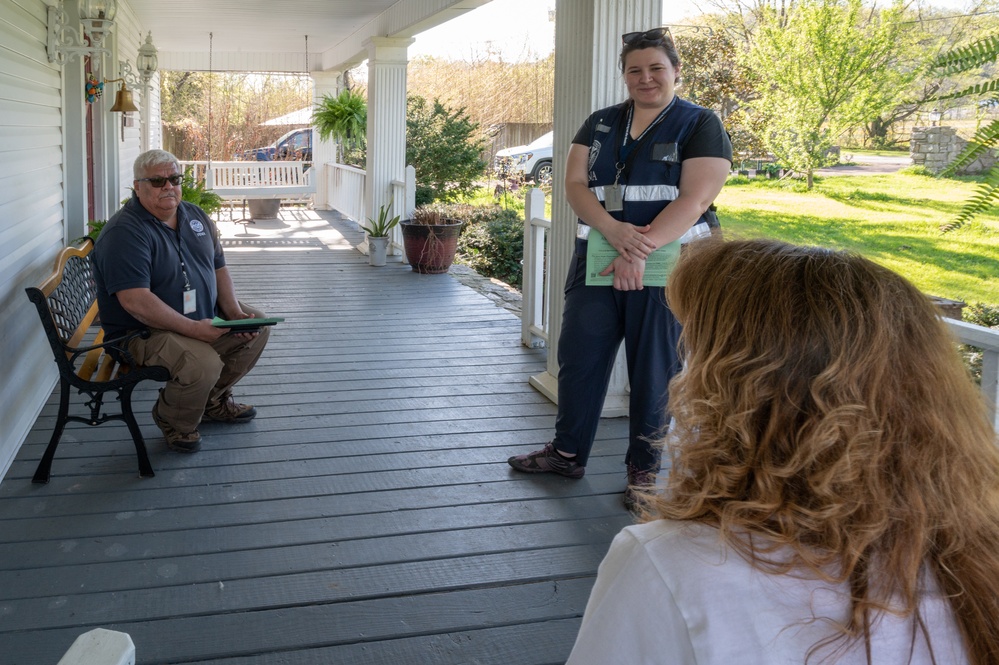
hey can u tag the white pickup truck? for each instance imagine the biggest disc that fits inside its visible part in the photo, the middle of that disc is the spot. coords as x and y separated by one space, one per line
532 161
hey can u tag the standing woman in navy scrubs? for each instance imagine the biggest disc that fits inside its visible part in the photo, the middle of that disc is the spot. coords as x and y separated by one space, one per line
642 173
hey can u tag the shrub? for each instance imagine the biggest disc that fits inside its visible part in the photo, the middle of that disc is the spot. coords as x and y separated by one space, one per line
441 143
916 170
94 228
981 314
492 243
194 191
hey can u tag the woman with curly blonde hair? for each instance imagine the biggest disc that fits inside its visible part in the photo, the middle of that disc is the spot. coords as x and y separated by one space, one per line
834 489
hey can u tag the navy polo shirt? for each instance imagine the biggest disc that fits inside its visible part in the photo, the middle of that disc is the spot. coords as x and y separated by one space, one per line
136 250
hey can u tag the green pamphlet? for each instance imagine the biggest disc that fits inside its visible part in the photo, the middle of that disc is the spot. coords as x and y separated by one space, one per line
243 324
600 254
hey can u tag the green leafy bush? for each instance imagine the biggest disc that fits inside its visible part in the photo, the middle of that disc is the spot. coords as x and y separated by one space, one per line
441 143
94 228
981 314
194 191
492 243
916 170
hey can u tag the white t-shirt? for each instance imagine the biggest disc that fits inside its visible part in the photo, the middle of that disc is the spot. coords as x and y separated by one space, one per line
672 592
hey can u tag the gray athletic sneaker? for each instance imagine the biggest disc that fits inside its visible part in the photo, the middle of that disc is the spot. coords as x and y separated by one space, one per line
547 460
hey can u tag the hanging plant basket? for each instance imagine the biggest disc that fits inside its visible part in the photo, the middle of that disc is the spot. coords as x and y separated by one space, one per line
430 249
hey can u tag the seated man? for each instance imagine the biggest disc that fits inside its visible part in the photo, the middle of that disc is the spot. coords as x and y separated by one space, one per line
158 264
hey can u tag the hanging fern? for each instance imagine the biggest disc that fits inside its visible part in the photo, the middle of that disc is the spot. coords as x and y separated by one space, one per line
965 58
986 194
343 117
979 89
959 60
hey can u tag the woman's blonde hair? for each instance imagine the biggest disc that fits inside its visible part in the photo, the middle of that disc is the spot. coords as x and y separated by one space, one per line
823 406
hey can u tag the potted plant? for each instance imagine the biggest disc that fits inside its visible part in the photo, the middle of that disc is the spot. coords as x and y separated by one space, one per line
378 236
343 118
94 228
430 239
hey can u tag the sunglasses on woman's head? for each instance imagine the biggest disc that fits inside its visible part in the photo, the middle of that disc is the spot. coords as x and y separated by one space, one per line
160 181
656 35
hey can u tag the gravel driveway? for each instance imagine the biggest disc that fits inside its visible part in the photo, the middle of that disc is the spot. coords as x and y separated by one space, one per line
868 165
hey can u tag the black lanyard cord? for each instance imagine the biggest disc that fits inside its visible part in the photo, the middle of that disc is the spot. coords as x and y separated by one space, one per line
627 151
180 254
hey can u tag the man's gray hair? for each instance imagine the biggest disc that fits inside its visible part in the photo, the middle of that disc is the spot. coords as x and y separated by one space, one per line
152 158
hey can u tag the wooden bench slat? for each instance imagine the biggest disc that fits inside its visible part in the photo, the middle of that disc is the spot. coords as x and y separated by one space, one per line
81 332
106 371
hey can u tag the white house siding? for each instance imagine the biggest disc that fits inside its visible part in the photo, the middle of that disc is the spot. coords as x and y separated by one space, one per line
35 132
31 213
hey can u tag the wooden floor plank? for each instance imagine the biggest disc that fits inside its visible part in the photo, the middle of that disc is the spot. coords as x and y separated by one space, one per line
367 515
491 645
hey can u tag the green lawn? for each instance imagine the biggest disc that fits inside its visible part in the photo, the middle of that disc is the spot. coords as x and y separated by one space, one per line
891 219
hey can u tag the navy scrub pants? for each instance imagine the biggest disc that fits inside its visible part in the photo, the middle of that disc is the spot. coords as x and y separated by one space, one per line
595 320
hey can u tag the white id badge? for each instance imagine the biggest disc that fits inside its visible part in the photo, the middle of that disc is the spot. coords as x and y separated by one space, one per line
190 301
614 198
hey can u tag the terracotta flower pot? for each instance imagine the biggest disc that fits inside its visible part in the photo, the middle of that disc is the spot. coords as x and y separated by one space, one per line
430 249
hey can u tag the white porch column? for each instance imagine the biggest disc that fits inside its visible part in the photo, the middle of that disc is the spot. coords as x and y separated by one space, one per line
386 132
587 78
323 152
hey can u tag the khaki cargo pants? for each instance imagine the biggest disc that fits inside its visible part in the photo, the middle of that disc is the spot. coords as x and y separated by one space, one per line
200 373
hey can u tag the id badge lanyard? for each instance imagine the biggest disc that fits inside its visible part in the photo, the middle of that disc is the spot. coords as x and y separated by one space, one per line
190 294
614 195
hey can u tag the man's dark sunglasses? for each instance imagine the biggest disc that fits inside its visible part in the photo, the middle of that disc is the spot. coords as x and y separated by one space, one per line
160 182
656 36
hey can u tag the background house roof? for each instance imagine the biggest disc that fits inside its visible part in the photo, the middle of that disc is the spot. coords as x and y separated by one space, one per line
299 117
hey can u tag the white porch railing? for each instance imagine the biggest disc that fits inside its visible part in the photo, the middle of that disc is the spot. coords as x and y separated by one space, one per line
535 314
345 185
534 303
403 200
199 169
987 340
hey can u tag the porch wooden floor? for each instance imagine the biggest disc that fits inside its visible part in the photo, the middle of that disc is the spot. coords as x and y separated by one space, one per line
367 515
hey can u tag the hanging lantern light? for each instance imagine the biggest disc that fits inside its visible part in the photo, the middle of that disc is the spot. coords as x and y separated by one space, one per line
146 60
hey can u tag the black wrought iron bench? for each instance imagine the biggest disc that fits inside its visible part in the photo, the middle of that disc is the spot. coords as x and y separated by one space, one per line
67 306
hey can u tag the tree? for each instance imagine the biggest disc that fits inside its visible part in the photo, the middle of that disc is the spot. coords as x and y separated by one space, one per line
222 114
823 68
491 91
715 76
959 60
443 146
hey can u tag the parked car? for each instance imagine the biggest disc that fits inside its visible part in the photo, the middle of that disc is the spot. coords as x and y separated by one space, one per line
531 162
295 145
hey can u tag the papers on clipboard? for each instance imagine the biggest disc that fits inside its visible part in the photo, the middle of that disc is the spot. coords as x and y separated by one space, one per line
242 325
600 254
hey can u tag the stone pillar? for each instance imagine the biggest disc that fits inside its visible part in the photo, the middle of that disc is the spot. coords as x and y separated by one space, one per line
936 147
587 77
323 152
386 131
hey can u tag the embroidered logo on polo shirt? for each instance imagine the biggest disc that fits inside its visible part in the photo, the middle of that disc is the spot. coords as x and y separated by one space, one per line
198 227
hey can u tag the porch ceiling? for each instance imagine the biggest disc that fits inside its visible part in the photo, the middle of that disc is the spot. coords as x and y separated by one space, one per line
269 35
